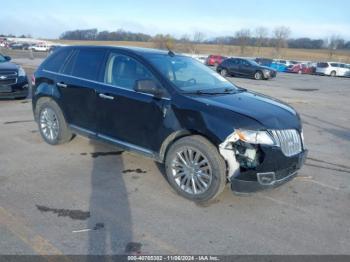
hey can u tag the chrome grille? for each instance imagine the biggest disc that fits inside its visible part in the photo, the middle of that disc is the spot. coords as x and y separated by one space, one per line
8 77
289 140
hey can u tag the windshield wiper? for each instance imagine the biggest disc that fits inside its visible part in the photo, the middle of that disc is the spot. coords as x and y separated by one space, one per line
225 91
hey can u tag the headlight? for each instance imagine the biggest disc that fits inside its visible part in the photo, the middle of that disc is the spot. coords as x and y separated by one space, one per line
21 71
255 137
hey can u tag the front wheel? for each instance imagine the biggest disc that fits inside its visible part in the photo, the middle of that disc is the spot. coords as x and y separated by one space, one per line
258 75
195 169
223 72
333 73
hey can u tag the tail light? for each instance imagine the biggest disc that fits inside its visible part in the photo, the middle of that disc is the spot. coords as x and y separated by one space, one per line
33 80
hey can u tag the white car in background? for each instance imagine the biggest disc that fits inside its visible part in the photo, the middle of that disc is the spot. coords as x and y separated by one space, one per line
200 57
40 48
332 69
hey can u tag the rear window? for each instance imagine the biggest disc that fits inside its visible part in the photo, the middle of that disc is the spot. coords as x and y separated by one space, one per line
85 63
322 65
56 60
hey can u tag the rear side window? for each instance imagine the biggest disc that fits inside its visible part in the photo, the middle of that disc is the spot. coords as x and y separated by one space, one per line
85 63
334 65
57 60
322 65
123 71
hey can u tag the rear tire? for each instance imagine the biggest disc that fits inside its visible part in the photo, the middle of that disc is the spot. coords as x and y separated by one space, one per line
333 74
258 75
195 169
51 122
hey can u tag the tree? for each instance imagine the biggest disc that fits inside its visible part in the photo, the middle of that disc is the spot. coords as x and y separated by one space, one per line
334 42
243 37
198 37
164 41
281 35
261 34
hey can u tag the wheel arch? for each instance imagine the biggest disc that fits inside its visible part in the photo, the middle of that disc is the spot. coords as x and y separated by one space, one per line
173 137
46 91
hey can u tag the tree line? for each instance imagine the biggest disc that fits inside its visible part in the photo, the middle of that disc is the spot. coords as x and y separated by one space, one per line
279 37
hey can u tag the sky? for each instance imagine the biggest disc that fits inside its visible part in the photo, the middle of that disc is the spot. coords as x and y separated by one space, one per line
48 19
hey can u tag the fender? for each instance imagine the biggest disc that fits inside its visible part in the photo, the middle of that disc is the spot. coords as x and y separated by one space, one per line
45 90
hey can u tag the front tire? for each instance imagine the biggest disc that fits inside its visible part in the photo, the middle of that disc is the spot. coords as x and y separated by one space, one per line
195 169
51 122
258 75
333 74
223 72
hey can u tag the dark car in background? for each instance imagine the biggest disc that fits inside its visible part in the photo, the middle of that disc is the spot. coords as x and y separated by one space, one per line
19 46
264 61
245 67
174 110
13 79
214 60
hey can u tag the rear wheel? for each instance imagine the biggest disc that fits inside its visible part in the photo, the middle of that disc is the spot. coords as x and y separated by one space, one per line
333 73
51 122
258 75
195 169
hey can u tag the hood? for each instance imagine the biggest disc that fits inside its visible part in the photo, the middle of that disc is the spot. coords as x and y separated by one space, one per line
8 66
269 112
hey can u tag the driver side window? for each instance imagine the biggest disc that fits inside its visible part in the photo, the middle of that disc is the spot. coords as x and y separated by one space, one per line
123 71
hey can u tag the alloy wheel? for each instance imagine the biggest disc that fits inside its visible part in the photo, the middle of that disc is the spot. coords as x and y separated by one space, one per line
49 124
191 171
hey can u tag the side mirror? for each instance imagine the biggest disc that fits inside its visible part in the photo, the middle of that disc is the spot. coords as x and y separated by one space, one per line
8 58
148 86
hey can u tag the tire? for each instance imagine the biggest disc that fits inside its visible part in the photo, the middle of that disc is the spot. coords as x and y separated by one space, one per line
300 72
258 75
189 180
333 73
216 64
223 72
51 122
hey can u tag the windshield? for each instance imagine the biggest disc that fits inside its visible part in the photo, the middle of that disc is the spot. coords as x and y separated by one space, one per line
2 59
187 74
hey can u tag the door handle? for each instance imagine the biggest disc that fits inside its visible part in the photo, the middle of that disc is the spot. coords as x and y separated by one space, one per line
61 85
106 96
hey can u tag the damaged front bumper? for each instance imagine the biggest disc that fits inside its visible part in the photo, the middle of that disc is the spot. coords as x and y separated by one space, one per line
268 167
274 171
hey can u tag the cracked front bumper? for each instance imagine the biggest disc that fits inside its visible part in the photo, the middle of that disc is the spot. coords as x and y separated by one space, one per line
278 167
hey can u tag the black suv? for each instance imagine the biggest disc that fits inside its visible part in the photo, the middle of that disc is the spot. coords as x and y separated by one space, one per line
13 79
173 109
245 67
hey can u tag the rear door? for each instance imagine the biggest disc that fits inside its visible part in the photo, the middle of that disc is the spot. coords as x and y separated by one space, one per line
77 83
125 116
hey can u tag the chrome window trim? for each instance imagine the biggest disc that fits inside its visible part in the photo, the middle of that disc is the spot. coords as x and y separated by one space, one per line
102 83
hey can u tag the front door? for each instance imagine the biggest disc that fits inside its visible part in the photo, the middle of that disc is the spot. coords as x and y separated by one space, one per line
129 117
246 68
